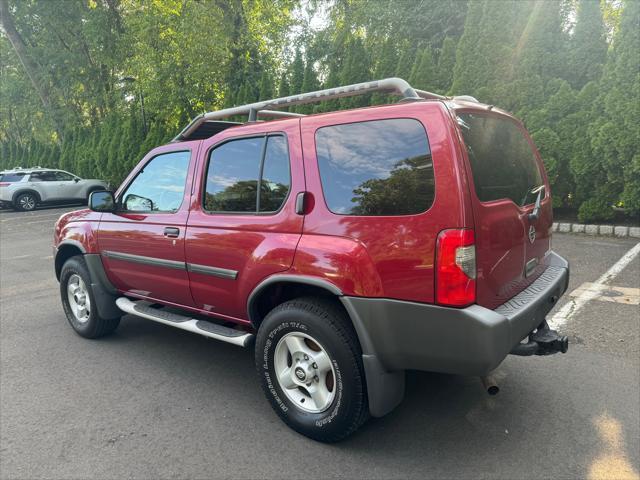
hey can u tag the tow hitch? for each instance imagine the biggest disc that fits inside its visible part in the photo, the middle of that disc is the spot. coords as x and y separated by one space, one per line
543 341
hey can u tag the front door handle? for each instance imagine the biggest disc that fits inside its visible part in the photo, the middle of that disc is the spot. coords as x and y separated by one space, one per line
171 232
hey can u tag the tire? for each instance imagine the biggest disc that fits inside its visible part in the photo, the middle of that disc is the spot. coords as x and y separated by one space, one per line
313 323
26 202
85 321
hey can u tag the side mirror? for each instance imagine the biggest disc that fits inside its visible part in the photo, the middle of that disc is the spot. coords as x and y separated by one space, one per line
136 203
76 179
102 201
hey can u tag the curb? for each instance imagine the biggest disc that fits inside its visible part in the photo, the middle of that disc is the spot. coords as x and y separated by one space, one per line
599 230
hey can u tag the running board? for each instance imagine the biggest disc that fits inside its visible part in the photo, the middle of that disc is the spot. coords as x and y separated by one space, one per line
201 327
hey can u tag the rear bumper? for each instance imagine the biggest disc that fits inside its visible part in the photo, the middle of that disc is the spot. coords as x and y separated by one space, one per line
470 341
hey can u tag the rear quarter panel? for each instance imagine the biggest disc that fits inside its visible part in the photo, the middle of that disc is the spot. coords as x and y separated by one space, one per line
384 256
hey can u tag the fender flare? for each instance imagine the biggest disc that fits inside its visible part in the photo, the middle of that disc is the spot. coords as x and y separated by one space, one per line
16 194
281 278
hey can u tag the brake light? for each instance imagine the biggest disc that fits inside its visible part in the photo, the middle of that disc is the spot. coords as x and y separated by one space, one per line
4 184
456 268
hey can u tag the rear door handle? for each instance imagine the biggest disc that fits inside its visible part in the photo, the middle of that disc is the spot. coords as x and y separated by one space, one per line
171 232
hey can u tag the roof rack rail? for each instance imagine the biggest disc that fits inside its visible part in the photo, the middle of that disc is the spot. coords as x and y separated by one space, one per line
393 85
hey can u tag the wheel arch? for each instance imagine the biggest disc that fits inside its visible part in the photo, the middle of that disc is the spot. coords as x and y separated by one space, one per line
17 193
66 250
279 288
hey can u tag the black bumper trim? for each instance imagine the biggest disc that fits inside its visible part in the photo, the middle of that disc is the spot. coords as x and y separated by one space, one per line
468 341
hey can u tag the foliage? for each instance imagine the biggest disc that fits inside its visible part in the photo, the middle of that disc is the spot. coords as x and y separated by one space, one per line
93 85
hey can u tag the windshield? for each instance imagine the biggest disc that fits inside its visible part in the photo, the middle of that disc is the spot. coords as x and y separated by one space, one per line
502 161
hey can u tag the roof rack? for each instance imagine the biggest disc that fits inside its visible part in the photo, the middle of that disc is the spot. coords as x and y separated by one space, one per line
394 85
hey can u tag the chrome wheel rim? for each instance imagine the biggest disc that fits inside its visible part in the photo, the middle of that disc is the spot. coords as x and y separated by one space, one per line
78 297
305 372
27 202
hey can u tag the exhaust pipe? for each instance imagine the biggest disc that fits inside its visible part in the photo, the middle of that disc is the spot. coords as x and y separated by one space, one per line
490 385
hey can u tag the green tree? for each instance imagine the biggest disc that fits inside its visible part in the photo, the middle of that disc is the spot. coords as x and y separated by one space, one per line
589 45
423 74
446 64
614 132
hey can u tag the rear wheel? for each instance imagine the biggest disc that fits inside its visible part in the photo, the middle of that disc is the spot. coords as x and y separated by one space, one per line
79 303
310 366
26 202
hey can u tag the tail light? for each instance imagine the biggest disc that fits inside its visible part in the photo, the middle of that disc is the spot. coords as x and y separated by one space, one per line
456 268
4 184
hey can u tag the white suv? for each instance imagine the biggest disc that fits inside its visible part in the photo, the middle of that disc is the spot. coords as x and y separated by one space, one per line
26 188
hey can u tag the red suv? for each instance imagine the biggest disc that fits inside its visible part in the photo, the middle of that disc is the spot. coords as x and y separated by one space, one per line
347 247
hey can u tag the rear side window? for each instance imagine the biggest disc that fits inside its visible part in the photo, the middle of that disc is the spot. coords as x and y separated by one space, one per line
11 177
239 169
379 167
502 160
47 176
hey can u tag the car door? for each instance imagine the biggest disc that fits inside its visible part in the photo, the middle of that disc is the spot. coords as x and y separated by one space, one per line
142 243
243 226
46 184
68 186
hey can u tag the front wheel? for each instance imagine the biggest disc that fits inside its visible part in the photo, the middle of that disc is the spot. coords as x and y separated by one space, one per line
26 202
79 303
310 366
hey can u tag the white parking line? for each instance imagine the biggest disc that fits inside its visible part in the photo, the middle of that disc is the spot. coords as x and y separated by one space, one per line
575 305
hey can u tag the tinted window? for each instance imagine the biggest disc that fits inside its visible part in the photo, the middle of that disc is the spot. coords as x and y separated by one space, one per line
274 185
159 187
380 167
502 160
233 175
48 176
63 176
11 177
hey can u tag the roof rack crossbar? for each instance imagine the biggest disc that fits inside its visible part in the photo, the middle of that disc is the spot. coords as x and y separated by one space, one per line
394 85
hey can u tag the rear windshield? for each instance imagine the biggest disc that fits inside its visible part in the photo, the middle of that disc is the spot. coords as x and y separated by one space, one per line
11 177
502 160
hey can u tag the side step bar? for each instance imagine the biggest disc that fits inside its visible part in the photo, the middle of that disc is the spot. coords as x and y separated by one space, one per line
201 327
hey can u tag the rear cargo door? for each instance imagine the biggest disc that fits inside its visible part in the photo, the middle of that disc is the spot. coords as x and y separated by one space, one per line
507 180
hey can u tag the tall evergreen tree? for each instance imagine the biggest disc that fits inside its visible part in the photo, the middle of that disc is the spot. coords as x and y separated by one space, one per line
446 64
423 74
297 73
614 133
589 44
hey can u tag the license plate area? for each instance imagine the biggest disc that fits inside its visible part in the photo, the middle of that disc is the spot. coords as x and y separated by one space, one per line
530 267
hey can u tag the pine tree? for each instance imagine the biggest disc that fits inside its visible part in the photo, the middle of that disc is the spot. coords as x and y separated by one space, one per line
310 83
297 74
423 74
266 85
485 58
356 68
385 68
446 64
284 90
588 45
614 131
406 60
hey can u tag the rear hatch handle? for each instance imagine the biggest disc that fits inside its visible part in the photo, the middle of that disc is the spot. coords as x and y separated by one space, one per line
533 216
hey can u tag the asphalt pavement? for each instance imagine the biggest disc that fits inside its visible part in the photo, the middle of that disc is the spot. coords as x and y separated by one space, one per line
151 401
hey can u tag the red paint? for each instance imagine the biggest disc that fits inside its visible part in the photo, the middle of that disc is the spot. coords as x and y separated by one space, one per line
501 231
389 257
255 246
